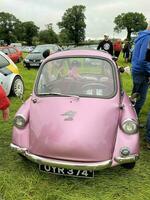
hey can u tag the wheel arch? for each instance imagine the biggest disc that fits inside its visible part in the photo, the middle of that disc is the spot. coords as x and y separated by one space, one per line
12 79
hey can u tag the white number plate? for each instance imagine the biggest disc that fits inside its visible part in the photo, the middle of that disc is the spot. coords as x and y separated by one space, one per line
68 172
34 64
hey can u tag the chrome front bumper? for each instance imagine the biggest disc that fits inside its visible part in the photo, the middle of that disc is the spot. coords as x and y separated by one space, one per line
70 164
128 159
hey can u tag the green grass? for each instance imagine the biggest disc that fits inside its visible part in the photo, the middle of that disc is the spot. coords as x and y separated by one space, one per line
20 179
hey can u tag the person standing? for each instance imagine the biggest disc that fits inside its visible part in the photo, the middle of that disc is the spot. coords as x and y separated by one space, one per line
106 45
148 118
141 67
126 51
117 46
4 104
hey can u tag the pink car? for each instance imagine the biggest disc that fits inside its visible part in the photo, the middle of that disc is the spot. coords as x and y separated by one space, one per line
77 124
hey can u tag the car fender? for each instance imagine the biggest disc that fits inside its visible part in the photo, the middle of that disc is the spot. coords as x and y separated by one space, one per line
131 142
21 136
10 81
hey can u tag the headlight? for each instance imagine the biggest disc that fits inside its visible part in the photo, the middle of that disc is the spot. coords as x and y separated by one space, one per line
26 60
129 126
19 121
41 60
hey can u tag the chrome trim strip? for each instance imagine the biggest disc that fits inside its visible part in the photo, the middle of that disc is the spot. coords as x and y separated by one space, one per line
62 163
127 159
18 149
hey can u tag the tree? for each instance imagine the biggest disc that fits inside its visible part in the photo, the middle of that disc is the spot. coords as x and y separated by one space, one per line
8 26
63 37
73 24
30 30
132 22
48 35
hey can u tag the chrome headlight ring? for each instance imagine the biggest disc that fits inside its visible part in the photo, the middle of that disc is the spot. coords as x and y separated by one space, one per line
20 121
129 126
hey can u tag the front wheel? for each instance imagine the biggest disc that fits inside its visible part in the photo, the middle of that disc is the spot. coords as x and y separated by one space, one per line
17 88
128 165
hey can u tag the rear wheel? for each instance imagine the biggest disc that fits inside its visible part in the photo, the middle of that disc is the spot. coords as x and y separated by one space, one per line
129 165
17 88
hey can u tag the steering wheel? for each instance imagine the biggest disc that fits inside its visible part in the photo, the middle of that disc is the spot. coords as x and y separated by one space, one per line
95 88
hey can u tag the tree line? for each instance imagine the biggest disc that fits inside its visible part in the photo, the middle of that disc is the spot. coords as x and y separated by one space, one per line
72 27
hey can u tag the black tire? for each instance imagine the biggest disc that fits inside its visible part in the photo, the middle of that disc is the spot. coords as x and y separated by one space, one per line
17 87
129 165
22 156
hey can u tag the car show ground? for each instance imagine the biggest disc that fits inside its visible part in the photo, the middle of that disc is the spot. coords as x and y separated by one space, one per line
21 179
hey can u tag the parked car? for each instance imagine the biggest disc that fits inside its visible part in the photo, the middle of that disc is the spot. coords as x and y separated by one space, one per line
12 52
35 58
17 45
78 119
28 49
10 78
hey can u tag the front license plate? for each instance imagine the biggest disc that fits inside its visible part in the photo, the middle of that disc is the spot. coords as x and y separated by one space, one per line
68 172
34 64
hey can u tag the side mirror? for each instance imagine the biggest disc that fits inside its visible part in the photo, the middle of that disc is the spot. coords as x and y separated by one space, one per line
121 69
46 53
114 58
133 98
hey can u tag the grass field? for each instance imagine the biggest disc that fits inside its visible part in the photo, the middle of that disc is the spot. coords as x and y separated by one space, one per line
21 180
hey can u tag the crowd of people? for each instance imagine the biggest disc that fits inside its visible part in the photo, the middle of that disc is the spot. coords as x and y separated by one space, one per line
114 48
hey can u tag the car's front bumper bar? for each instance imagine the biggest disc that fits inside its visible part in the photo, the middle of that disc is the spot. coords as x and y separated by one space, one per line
128 159
70 164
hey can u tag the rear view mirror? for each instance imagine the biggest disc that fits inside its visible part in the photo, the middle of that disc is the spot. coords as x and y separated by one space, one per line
133 98
121 69
46 53
114 58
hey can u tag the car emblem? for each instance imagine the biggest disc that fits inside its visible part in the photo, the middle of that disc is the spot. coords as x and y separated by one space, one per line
69 115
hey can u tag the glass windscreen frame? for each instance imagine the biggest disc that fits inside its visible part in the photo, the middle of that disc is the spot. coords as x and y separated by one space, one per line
96 84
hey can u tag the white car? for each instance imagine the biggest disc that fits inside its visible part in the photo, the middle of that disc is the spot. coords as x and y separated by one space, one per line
10 78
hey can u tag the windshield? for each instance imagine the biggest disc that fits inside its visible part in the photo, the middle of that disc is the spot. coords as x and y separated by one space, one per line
42 48
89 77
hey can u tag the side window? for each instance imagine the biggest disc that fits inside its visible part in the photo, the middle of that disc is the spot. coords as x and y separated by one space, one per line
5 51
3 62
55 48
12 50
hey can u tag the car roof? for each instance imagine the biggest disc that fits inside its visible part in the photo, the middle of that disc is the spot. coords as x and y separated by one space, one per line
79 53
7 47
46 45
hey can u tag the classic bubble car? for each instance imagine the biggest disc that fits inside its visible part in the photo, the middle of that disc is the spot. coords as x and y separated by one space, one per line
10 78
78 119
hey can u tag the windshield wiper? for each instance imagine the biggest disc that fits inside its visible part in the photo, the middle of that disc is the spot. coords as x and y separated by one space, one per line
35 52
61 94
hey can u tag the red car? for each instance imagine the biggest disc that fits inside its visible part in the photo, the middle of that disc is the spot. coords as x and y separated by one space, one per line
13 53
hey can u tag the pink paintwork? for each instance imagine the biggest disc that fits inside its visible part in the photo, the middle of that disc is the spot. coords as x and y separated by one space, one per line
93 134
